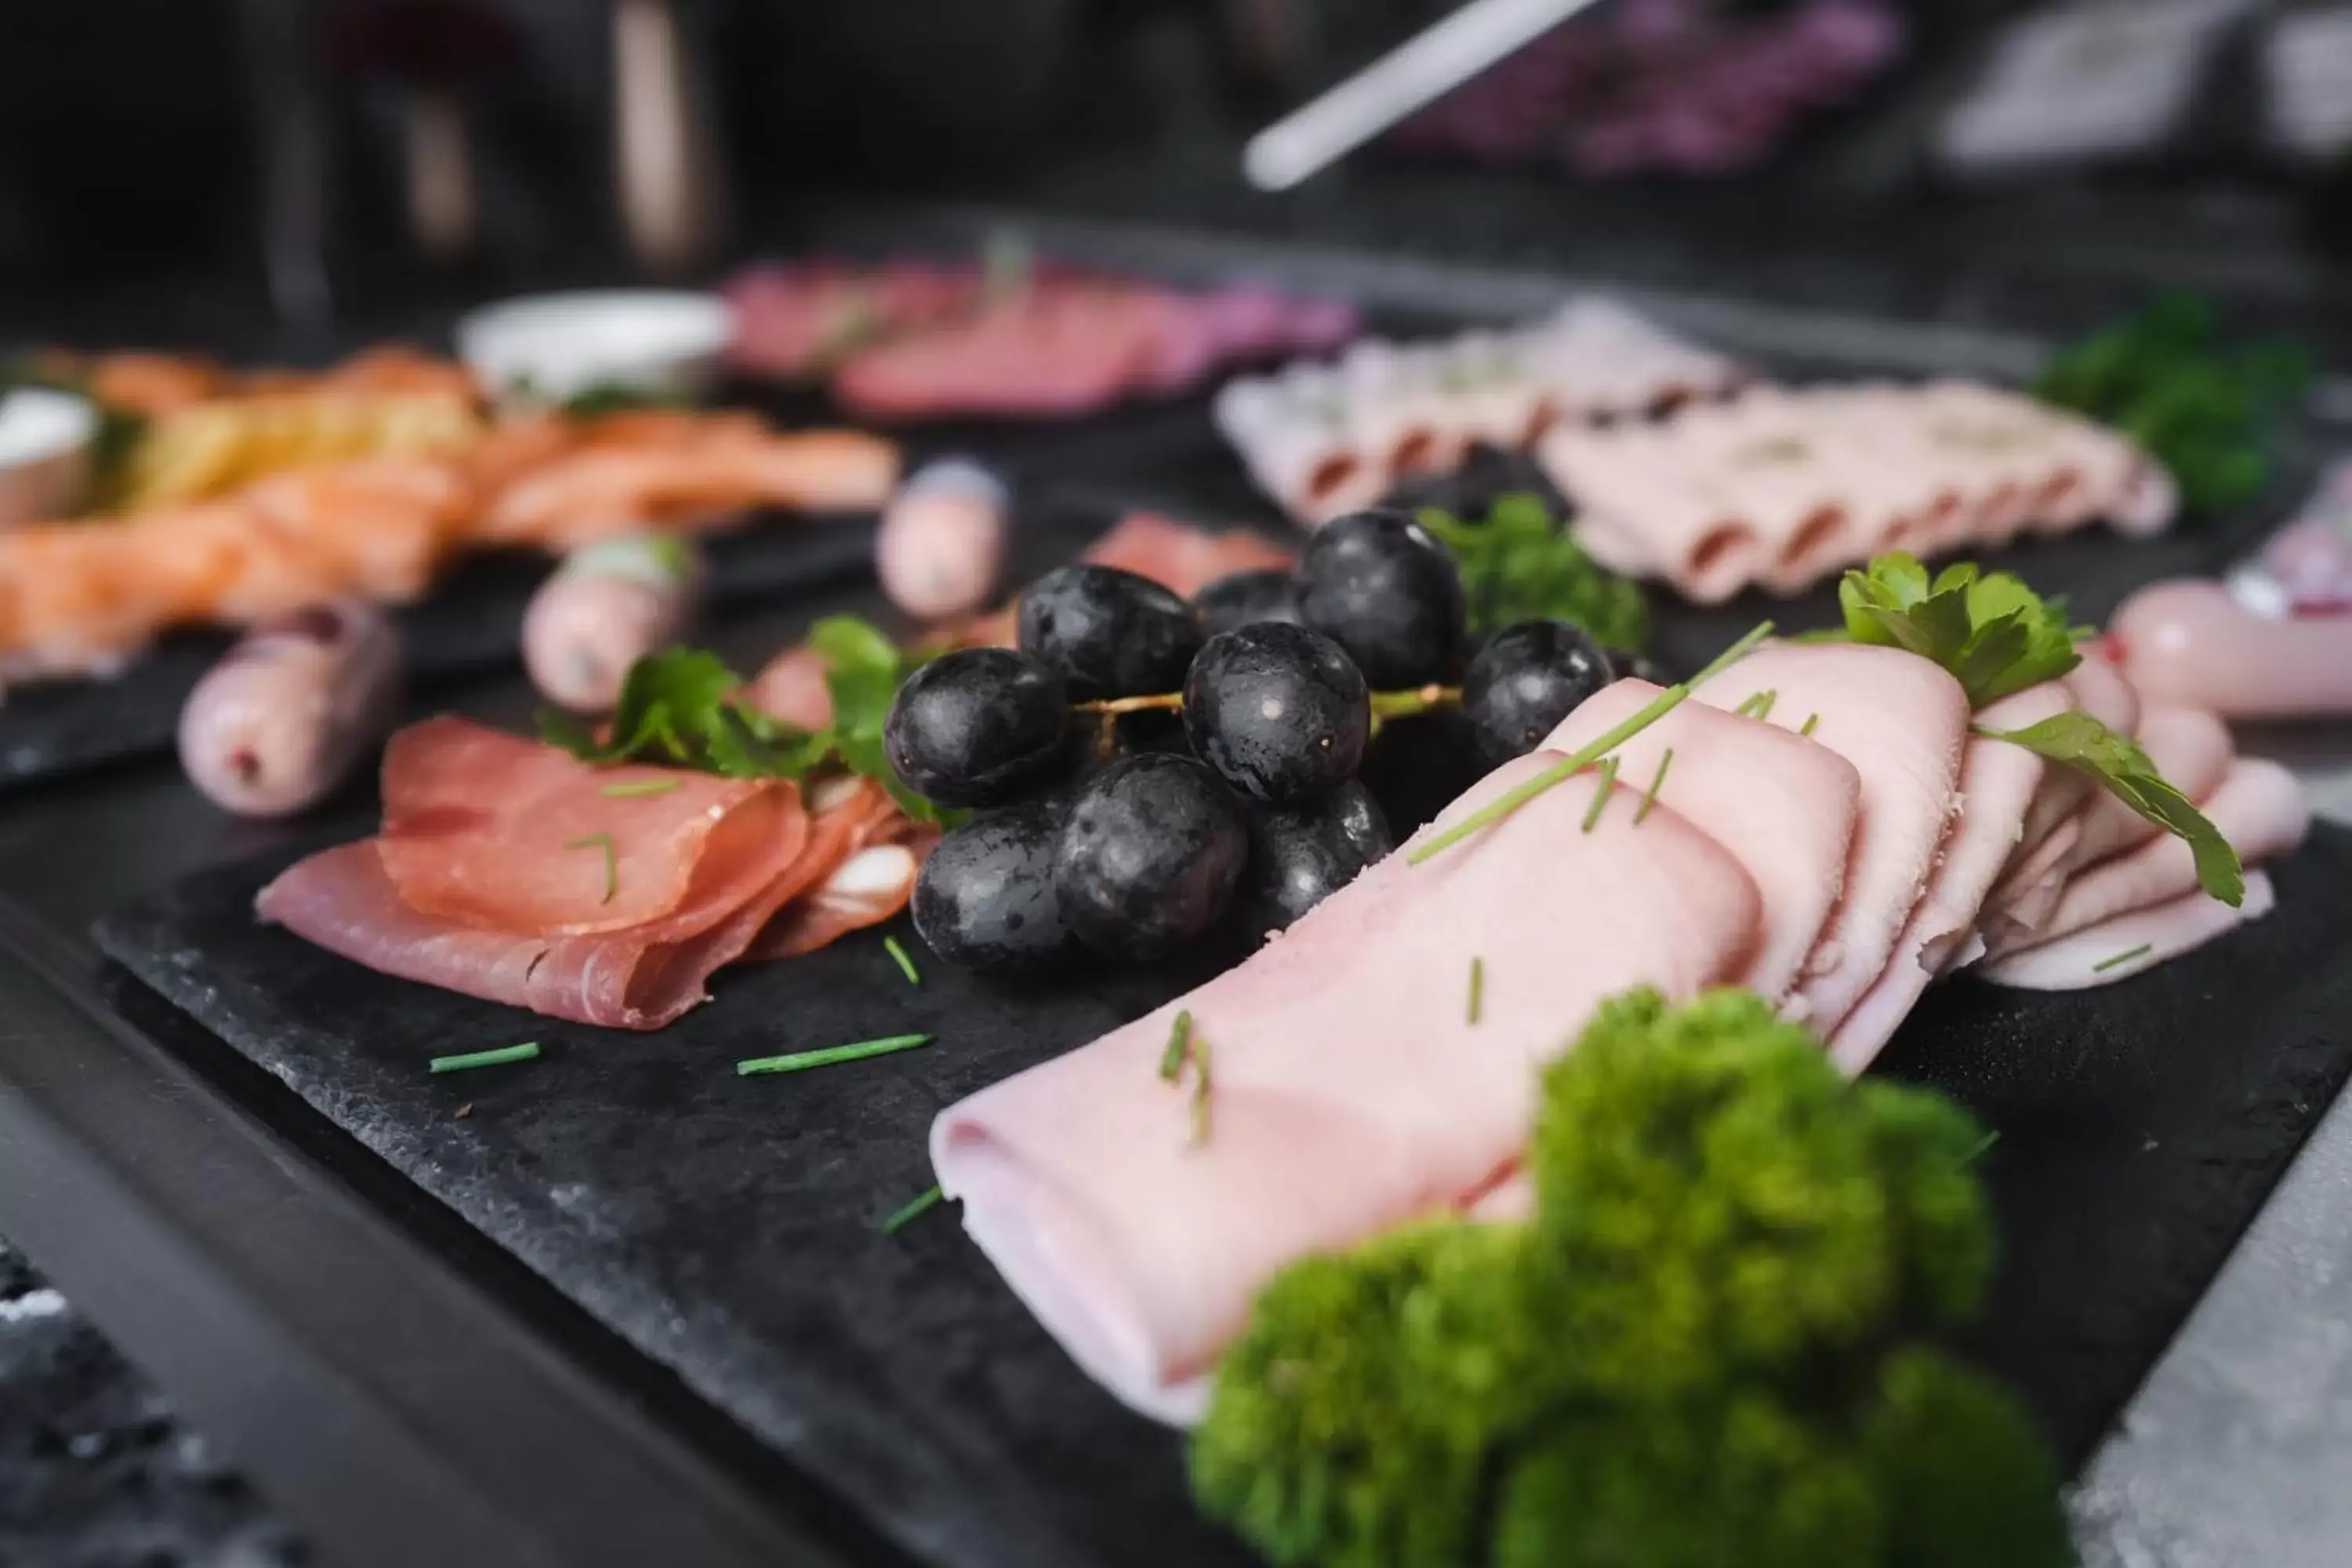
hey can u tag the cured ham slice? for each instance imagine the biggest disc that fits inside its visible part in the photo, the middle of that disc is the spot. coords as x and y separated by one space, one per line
1901 722
1783 806
880 852
637 978
2259 808
2127 944
1998 783
1349 1091
478 825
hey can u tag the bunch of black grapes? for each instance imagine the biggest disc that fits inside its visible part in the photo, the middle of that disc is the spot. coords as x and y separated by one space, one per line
1148 771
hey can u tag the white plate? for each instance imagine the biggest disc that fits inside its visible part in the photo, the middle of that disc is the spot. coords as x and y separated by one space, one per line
551 347
45 441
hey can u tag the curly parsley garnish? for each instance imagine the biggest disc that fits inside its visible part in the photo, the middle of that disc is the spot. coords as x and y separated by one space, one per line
1521 565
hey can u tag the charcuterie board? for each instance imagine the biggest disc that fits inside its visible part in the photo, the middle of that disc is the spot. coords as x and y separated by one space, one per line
730 1228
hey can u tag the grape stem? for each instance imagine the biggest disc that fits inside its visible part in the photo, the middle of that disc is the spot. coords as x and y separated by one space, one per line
1385 704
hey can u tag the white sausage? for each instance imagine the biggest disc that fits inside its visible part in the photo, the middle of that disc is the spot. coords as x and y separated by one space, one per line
2189 641
280 721
608 606
942 540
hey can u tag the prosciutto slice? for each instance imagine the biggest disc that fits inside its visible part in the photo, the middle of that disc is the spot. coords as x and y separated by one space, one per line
640 978
480 828
1901 722
1350 1090
1783 806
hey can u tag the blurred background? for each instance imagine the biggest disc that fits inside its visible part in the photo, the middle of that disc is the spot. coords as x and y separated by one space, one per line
340 159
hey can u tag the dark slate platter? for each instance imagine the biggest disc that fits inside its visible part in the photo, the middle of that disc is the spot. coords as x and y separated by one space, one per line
727 1227
472 622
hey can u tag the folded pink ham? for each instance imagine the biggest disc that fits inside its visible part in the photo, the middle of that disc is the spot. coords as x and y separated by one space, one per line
1351 1091
1838 845
509 871
1778 488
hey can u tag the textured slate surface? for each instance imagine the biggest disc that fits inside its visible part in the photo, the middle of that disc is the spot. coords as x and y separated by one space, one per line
97 1471
726 1226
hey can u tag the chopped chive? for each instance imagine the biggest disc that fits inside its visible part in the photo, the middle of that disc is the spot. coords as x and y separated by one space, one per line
1807 727
1759 705
643 787
1200 1093
906 965
1477 985
912 1208
2142 951
860 1051
1600 793
611 860
1981 1148
1651 799
1666 702
1180 1047
526 1051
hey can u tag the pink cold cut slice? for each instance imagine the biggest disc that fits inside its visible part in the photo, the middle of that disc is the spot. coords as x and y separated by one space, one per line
1783 806
2127 944
1351 1091
1901 722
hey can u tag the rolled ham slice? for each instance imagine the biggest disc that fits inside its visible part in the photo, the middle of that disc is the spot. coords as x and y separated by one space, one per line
1784 806
2129 944
1351 1092
1901 722
1998 783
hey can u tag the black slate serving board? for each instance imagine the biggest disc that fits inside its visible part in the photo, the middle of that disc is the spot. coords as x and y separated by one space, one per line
727 1227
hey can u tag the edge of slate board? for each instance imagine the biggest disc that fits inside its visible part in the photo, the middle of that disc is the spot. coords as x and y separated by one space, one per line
727 1228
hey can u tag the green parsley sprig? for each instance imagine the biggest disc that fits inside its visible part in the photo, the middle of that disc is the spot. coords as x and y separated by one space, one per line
1997 636
684 709
1520 564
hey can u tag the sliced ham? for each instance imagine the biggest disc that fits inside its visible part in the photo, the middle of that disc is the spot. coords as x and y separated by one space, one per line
1783 806
1350 1090
2259 808
342 900
480 828
1902 722
2127 944
1998 783
881 850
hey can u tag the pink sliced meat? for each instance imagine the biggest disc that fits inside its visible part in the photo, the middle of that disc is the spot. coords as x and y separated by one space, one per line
2127 945
1902 722
1349 1093
2260 809
878 850
795 321
1998 783
490 830
1783 806
1182 558
342 900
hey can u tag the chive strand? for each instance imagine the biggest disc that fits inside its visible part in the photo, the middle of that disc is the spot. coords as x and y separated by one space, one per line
1601 790
1656 784
913 1208
526 1051
899 955
1477 986
612 861
799 1062
2142 951
638 790
1179 1048
1200 1107
1567 767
